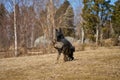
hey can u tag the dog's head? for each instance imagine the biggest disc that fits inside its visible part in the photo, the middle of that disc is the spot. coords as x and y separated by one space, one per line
59 34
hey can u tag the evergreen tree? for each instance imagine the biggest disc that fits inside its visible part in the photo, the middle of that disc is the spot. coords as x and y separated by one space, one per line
64 18
90 19
67 22
116 17
96 13
62 9
3 33
2 14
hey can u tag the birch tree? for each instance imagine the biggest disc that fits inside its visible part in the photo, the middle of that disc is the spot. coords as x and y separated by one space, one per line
15 29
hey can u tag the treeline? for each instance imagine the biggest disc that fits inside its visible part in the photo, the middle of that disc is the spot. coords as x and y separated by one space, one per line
34 18
25 20
100 20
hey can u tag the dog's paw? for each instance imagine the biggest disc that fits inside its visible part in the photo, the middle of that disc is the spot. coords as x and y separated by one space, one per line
70 58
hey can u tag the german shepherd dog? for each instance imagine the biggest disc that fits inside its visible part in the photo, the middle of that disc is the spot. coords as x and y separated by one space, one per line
63 46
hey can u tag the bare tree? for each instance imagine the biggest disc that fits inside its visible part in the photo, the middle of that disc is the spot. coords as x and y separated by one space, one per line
50 18
80 22
15 30
81 30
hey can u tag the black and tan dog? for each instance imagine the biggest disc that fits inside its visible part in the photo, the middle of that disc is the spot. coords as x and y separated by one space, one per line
63 46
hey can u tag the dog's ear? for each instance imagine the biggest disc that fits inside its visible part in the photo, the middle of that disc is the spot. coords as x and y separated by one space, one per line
60 30
56 30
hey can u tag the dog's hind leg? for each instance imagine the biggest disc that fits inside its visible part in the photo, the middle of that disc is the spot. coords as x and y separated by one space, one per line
65 58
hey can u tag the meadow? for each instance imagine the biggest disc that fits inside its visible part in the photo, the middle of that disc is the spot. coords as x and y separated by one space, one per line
99 64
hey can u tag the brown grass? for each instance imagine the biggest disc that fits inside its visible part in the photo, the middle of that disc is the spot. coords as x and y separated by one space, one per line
99 64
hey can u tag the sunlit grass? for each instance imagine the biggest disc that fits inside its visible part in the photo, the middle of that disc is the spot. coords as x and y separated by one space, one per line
99 64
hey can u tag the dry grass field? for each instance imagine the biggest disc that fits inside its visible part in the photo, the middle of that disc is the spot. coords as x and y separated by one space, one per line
99 64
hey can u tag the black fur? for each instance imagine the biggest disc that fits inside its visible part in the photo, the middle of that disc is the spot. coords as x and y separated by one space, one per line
67 49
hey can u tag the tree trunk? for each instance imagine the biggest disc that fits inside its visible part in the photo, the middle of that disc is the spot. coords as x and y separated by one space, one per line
50 19
83 35
111 29
32 37
97 34
53 20
48 22
15 30
101 37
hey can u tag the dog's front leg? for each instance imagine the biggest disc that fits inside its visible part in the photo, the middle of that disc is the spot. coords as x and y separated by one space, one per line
58 56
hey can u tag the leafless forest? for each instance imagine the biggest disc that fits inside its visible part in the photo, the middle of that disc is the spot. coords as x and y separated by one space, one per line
27 30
